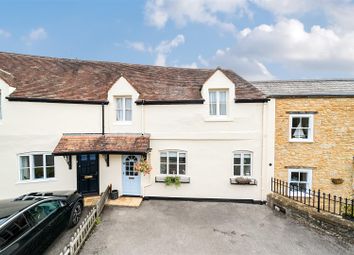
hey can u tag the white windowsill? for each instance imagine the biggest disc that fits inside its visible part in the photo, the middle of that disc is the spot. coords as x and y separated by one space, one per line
123 123
218 119
301 140
37 181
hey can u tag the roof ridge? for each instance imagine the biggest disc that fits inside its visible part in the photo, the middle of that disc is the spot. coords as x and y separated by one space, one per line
102 61
302 80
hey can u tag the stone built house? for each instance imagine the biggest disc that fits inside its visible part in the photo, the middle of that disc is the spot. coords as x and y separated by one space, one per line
314 133
71 124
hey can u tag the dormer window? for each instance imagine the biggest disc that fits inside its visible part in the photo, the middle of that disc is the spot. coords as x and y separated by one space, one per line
218 102
124 109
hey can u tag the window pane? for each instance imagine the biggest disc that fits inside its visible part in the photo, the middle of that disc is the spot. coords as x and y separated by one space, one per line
38 160
119 103
173 157
222 109
50 172
49 159
294 176
212 102
302 186
222 97
212 109
305 122
237 159
119 116
25 173
128 115
24 161
212 97
38 172
182 169
247 170
182 158
163 168
163 157
172 169
303 177
237 170
247 159
128 103
295 122
42 211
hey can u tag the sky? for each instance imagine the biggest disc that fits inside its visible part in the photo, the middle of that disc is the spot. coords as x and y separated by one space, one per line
258 39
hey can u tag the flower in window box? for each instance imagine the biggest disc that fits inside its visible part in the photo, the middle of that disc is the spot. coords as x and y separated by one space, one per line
143 167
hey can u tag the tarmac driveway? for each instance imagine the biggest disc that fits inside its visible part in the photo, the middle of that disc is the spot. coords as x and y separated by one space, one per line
179 227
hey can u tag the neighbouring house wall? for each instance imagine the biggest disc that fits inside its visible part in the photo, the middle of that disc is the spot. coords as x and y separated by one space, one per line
331 153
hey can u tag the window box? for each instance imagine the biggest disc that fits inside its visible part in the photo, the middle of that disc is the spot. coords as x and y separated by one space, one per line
161 178
243 181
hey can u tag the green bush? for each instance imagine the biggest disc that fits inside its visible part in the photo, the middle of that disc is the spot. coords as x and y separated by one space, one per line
173 180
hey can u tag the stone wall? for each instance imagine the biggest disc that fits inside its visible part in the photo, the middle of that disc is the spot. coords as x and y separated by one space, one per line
325 222
330 155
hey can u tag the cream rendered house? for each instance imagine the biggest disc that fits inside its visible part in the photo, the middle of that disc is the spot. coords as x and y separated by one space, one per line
70 124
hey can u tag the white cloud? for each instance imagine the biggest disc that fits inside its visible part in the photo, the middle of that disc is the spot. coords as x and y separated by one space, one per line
164 48
283 7
4 33
36 35
159 12
139 46
161 50
289 45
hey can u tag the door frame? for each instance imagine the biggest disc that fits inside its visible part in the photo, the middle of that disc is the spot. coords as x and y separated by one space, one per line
123 175
78 175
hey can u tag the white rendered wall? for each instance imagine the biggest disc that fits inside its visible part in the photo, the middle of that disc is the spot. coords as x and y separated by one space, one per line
209 142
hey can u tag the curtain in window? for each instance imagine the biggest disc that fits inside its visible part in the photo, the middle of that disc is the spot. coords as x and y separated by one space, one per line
119 116
128 109
212 102
25 168
222 102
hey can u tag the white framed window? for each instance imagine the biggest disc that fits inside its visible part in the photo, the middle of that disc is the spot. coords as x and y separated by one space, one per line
300 179
173 162
218 102
36 166
301 128
242 163
124 109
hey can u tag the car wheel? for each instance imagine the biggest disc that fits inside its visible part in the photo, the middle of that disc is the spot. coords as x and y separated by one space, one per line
75 214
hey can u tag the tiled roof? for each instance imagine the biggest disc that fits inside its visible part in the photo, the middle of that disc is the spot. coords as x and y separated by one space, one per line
76 80
300 88
97 143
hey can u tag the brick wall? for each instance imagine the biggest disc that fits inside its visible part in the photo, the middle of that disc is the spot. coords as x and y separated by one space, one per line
331 153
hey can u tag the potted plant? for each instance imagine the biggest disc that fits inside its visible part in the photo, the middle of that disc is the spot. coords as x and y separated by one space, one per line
143 166
243 180
173 180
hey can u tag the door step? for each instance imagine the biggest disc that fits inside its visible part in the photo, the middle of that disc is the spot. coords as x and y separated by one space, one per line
125 201
91 201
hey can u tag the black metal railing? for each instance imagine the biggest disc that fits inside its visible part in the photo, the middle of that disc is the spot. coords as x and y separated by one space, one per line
315 198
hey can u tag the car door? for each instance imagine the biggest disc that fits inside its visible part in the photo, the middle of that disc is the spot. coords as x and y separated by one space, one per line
14 236
45 219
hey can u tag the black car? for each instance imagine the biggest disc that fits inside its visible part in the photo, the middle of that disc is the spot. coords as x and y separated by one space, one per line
30 223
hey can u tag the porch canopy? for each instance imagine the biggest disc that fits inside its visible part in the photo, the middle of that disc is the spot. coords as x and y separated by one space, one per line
72 144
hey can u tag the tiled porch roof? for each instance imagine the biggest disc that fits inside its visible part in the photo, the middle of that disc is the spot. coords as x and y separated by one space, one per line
97 143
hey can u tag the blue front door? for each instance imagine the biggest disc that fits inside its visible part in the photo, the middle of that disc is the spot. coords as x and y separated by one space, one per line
131 178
